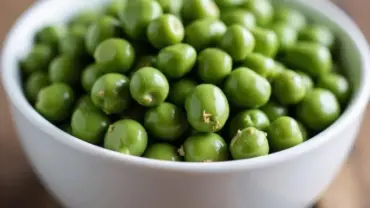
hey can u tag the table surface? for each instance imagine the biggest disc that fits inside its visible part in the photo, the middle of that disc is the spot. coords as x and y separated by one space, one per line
20 188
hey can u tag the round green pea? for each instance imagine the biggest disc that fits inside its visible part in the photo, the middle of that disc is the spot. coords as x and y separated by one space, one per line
249 118
284 133
35 82
149 87
291 17
102 29
204 147
162 151
245 88
165 30
289 88
274 110
287 35
115 8
262 10
238 42
115 55
267 42
177 60
249 143
214 65
89 125
319 109
85 103
111 93
304 131
263 65
55 102
171 7
180 90
89 75
204 33
64 68
307 80
239 16
318 34
127 137
199 9
207 108
166 122
337 84
38 59
137 15
73 43
311 58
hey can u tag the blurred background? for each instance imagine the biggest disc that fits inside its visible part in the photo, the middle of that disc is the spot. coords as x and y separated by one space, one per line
19 187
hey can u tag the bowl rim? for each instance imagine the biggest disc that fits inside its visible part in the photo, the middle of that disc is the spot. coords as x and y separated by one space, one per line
342 20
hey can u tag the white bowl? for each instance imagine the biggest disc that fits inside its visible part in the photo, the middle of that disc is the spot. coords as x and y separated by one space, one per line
81 175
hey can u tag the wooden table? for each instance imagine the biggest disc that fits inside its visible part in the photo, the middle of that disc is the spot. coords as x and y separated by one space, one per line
19 188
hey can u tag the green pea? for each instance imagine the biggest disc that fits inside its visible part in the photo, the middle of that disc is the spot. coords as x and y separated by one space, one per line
102 29
199 9
239 16
249 143
115 8
37 59
245 88
267 42
89 126
55 102
289 88
207 108
165 30
284 133
337 84
111 93
229 3
249 118
115 55
149 87
263 65
310 58
127 137
274 110
34 84
85 17
238 42
204 33
85 103
287 35
262 10
205 147
162 151
307 80
137 15
65 69
318 34
290 16
177 60
180 90
214 65
166 122
89 75
73 43
319 109
171 7
50 35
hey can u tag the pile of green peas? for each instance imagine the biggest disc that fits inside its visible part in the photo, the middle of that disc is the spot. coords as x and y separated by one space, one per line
194 80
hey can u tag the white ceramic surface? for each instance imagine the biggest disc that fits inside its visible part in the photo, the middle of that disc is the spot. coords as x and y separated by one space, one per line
81 175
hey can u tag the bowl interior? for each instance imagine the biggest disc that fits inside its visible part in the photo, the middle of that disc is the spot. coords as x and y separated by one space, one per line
353 55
